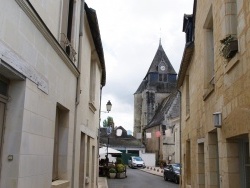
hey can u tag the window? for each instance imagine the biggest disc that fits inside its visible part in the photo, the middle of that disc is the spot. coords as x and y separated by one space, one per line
188 163
4 83
66 30
209 54
171 78
245 162
60 143
187 96
153 77
231 18
82 159
3 87
161 77
201 165
92 82
213 160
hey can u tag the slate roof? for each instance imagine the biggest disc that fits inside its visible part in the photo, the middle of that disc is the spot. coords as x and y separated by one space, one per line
170 105
125 140
189 47
159 56
161 87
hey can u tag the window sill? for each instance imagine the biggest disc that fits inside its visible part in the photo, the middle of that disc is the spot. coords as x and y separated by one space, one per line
92 107
230 64
60 184
208 92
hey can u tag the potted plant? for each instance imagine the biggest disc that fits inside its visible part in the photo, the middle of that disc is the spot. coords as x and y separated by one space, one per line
112 172
229 47
121 171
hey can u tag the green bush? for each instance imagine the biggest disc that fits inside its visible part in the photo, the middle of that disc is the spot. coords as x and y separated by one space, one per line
120 168
112 170
119 161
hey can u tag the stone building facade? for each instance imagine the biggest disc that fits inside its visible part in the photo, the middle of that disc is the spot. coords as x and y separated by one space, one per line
214 80
51 71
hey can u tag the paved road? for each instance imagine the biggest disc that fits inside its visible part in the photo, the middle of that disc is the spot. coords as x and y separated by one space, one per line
139 179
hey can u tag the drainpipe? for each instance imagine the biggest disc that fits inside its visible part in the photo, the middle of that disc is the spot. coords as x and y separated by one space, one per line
78 90
180 140
98 138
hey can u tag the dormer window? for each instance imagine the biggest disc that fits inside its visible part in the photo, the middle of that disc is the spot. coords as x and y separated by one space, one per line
188 27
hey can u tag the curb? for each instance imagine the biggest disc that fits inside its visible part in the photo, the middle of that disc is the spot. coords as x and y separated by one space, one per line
153 170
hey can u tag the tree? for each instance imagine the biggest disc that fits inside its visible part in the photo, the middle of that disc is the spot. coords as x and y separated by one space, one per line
108 122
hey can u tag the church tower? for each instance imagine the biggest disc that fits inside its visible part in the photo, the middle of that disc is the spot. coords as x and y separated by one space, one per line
159 82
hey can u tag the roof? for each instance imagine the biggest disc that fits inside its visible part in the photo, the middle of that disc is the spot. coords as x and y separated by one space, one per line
186 57
159 56
160 87
170 105
189 47
94 28
124 140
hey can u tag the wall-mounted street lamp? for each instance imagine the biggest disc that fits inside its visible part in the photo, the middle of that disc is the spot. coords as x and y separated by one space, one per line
108 106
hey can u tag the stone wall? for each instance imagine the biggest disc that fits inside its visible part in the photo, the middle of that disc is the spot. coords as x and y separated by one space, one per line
228 93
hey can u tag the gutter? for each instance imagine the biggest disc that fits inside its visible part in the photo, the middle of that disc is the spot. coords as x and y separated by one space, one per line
180 136
98 137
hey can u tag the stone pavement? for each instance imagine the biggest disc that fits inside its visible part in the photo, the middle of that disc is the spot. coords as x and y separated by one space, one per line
102 181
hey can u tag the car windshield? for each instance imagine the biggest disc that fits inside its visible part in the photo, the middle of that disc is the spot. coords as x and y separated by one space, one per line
137 159
176 167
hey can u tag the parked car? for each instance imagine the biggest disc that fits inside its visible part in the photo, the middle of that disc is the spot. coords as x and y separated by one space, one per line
172 172
136 162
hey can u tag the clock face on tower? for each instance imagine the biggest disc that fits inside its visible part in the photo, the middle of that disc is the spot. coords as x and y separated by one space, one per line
162 68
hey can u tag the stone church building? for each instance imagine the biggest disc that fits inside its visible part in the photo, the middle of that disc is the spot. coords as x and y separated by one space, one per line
152 101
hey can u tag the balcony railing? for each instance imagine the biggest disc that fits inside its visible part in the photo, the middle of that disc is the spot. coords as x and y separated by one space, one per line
67 46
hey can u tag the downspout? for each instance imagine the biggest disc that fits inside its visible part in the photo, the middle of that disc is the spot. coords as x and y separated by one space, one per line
78 90
180 140
159 146
98 138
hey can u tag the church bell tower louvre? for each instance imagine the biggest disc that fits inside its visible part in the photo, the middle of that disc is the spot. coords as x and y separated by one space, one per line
160 81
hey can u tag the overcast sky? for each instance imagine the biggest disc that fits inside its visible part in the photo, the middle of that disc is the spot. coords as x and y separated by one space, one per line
130 32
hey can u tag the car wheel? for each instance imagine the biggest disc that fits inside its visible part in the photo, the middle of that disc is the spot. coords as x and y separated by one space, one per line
176 180
165 178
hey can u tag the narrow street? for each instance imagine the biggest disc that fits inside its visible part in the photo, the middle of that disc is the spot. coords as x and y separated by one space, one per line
139 179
